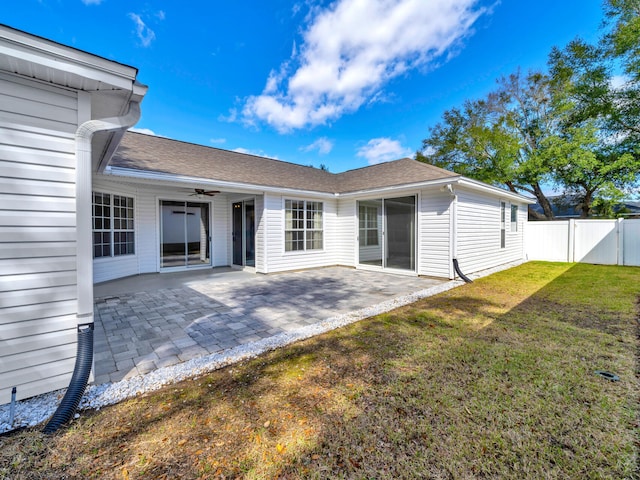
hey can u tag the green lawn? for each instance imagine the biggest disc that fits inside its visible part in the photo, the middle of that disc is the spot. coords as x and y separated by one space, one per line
494 379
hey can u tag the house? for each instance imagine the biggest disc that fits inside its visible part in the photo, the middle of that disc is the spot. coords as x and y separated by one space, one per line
567 206
269 216
82 201
62 114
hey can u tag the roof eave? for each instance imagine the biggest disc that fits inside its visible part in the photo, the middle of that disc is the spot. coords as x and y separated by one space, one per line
406 186
221 184
485 187
72 63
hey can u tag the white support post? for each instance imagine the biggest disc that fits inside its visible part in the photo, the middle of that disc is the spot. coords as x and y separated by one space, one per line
571 252
620 238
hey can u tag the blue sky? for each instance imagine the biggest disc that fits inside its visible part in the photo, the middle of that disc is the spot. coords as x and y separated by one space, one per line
345 84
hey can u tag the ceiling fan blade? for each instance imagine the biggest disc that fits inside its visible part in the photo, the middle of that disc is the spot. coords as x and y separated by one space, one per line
202 191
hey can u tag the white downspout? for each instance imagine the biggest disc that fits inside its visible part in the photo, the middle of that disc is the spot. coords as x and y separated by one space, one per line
453 228
84 261
454 236
454 231
84 227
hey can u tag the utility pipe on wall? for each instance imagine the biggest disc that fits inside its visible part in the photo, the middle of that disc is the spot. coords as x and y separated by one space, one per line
454 234
84 259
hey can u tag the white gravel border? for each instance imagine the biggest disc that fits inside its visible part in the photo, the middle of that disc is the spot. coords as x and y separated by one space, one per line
39 409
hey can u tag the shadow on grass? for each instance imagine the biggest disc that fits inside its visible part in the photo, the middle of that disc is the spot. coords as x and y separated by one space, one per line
491 380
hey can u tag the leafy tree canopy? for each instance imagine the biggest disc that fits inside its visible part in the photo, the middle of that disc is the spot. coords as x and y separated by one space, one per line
576 127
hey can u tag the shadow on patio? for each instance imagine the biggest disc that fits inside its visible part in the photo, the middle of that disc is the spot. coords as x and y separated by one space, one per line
154 321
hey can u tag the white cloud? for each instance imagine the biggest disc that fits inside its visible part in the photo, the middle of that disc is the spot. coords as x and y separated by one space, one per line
619 81
350 50
92 2
161 15
216 141
232 117
146 131
258 153
378 150
323 145
144 33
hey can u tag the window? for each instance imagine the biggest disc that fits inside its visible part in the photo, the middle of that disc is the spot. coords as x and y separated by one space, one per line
503 222
113 232
302 225
514 218
368 220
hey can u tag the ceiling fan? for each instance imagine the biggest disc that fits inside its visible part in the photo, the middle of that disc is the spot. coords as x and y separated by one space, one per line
201 191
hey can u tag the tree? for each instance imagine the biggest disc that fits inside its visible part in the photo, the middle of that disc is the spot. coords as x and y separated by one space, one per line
606 104
577 127
587 170
501 139
623 40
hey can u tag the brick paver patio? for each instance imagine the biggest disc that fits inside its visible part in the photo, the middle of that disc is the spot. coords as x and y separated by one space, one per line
154 326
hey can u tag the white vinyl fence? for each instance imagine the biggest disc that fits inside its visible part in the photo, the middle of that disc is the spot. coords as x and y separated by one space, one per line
607 242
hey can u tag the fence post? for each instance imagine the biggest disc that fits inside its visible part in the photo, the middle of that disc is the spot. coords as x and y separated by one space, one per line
620 234
572 241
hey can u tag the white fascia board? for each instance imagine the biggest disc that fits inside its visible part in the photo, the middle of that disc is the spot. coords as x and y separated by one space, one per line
499 192
396 188
25 47
220 184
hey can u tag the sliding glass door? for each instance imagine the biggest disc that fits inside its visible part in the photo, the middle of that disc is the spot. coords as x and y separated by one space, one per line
387 233
185 239
244 233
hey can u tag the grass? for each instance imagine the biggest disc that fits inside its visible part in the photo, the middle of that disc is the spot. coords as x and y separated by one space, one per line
491 380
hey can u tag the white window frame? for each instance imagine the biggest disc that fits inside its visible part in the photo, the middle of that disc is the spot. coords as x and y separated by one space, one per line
514 221
503 224
111 225
309 228
370 212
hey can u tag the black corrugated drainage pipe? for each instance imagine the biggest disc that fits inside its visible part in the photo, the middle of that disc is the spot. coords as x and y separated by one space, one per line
79 379
84 253
459 272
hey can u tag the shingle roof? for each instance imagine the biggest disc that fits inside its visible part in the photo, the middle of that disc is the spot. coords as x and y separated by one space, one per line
390 174
158 154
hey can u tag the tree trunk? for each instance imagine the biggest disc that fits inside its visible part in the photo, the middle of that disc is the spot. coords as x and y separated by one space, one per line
585 206
543 201
533 215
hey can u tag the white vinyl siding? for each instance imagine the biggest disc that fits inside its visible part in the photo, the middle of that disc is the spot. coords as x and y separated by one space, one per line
37 237
434 231
221 231
479 227
37 106
346 245
277 259
147 239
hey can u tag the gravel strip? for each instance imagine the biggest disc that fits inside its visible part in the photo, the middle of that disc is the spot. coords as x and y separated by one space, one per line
39 409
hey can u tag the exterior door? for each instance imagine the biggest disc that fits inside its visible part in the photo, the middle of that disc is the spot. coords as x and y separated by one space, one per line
185 237
244 233
387 233
400 229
